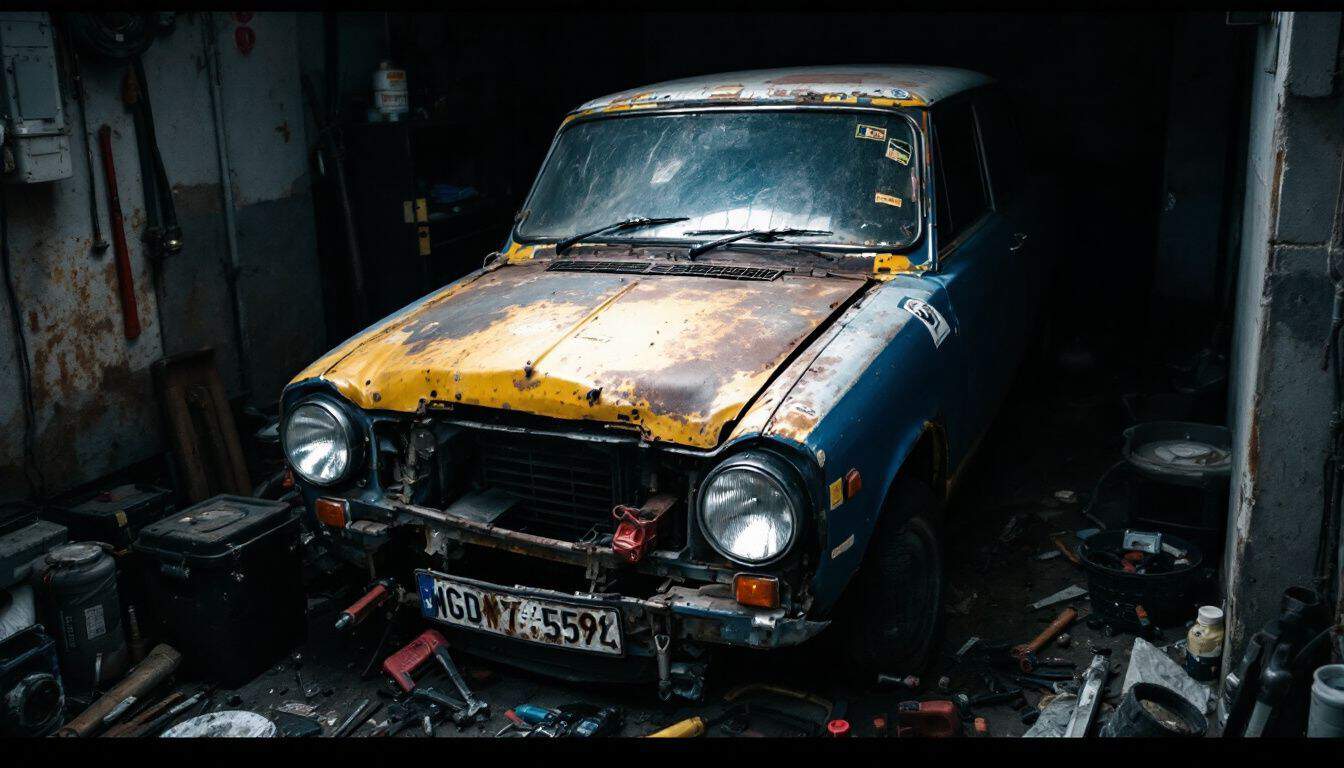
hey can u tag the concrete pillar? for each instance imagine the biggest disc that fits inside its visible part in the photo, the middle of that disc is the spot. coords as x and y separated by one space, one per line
1280 399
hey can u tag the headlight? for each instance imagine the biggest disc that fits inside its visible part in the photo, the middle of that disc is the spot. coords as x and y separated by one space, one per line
750 508
319 441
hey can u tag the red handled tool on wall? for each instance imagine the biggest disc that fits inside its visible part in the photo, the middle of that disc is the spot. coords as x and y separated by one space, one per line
130 313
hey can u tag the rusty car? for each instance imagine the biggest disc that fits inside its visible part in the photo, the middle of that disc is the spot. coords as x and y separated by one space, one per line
714 389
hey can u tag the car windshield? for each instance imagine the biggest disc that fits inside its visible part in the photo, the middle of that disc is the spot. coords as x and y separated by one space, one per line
850 173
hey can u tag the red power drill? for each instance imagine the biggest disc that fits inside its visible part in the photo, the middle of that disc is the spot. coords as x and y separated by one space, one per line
933 719
401 664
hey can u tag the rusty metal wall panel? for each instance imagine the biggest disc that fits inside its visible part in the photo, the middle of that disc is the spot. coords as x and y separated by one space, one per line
93 392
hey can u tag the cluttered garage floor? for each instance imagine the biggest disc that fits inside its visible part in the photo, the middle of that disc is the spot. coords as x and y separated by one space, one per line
1012 537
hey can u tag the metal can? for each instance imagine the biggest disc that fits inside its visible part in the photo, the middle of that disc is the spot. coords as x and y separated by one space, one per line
76 587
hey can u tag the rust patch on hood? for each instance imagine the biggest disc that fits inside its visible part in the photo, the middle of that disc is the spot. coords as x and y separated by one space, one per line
677 356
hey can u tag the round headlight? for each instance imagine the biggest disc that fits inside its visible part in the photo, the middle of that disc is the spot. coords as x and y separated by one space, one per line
747 511
319 442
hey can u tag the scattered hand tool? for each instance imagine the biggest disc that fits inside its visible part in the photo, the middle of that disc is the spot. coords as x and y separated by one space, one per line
476 708
309 690
379 592
932 719
362 712
401 664
130 726
455 708
908 682
1089 698
143 678
158 724
1026 654
130 313
692 727
1065 549
578 720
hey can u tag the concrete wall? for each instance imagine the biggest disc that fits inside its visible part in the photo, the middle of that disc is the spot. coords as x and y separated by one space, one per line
96 407
1280 400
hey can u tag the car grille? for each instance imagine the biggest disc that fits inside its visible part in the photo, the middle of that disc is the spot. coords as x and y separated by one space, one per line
566 488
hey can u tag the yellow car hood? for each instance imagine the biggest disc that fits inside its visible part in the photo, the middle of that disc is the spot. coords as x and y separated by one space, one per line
678 356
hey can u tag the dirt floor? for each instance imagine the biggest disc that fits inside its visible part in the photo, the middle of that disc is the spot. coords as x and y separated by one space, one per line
1044 442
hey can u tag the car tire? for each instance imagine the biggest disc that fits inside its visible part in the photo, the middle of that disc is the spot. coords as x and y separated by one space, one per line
894 617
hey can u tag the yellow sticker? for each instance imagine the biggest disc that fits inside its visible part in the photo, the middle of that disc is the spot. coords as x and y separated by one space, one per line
886 199
873 132
837 493
423 236
121 518
899 151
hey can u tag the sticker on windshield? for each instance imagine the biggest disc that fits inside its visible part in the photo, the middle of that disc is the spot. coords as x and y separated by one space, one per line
873 132
885 199
899 151
930 317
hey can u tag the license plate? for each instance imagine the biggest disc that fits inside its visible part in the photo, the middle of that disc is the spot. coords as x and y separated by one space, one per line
499 612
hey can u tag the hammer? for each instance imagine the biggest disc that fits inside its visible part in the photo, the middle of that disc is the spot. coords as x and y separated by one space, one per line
1026 654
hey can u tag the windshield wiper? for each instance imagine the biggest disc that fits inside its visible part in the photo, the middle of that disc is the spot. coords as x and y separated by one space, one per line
639 221
764 235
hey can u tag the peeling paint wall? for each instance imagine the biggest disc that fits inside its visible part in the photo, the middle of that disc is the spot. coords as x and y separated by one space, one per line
1280 399
95 402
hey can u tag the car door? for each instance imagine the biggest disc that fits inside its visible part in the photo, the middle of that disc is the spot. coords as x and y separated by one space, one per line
978 244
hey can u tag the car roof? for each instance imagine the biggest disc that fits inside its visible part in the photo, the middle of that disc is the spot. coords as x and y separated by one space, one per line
882 85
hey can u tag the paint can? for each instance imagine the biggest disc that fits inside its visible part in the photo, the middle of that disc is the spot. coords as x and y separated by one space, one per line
390 96
76 588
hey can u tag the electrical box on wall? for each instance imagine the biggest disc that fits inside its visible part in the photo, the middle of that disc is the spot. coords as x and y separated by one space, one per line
36 142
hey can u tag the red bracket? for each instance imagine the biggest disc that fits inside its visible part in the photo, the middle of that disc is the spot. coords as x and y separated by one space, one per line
637 528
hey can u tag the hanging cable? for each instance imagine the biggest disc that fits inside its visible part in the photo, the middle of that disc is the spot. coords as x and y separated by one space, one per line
32 472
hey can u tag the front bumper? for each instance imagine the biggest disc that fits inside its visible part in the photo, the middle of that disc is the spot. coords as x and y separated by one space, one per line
685 616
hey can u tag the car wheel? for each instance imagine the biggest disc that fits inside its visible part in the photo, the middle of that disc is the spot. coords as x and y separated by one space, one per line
894 618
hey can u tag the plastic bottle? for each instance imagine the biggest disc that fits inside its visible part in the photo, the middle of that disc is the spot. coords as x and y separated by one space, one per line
1204 644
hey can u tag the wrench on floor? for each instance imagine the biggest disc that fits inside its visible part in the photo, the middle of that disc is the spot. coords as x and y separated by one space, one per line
475 707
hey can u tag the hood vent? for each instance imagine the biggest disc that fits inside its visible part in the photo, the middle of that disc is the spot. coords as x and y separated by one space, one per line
651 268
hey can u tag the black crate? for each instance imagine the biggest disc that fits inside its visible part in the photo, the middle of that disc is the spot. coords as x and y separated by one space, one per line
114 516
225 583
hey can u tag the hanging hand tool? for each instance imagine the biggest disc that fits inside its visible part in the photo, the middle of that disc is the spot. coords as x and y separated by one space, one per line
99 244
329 138
130 313
158 194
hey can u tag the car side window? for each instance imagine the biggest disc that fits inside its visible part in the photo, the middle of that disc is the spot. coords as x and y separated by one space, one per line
962 197
1003 146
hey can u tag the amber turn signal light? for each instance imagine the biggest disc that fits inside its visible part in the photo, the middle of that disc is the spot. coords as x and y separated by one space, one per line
331 512
756 591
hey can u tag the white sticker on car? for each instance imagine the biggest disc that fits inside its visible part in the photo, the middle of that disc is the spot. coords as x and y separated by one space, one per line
842 547
930 317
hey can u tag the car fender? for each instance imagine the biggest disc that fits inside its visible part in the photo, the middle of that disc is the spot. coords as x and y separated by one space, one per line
868 394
